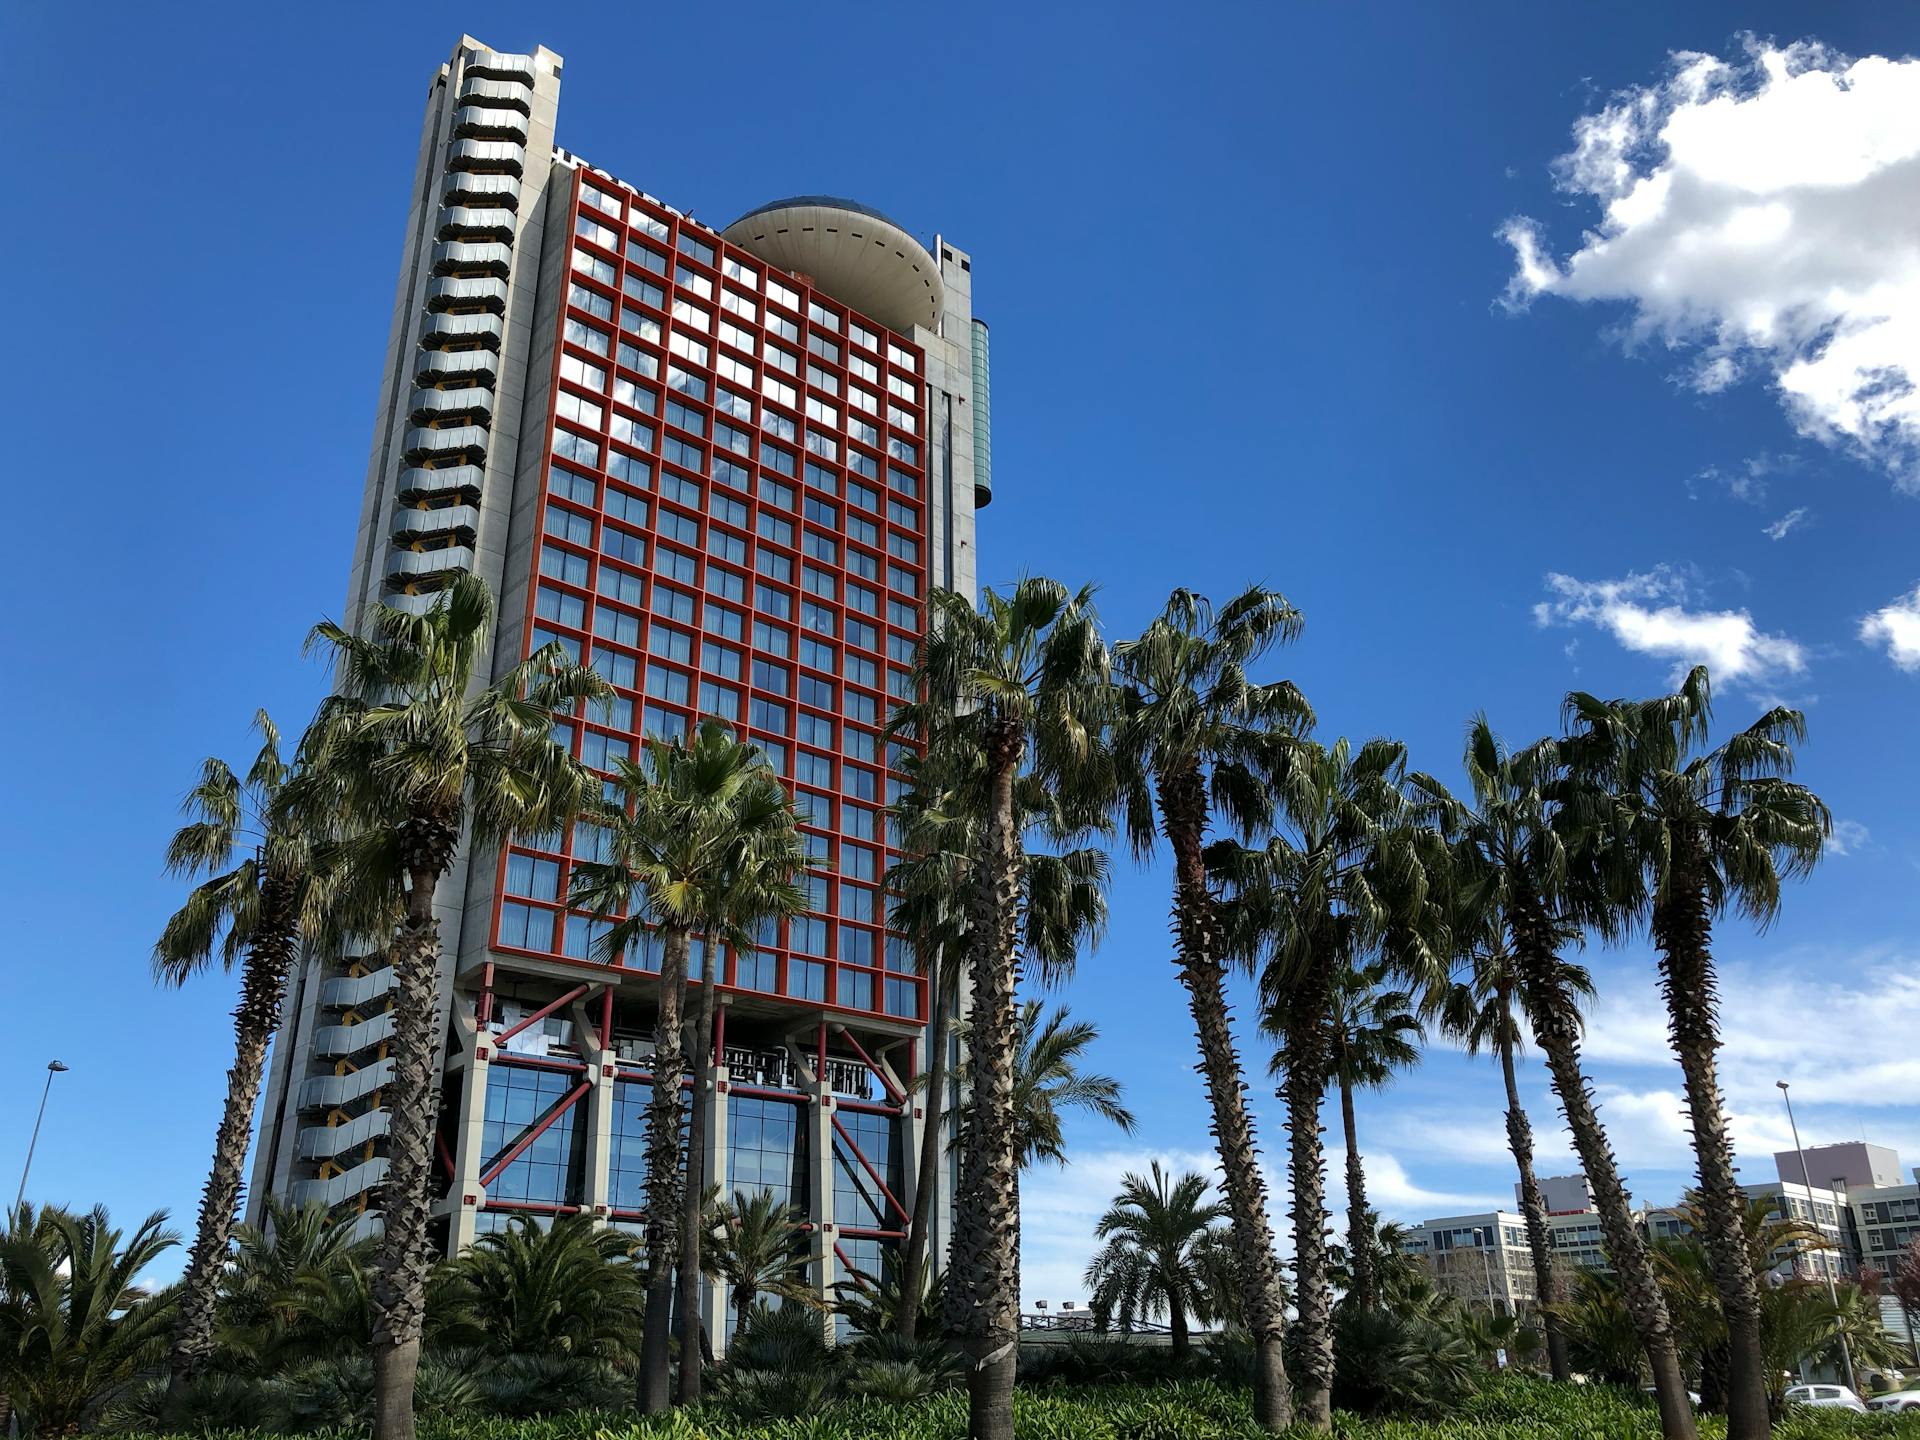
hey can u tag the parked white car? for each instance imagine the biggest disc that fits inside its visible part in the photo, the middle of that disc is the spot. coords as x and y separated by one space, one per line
1826 1397
1898 1400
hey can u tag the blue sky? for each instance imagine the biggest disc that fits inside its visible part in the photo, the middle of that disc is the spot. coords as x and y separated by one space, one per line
1257 315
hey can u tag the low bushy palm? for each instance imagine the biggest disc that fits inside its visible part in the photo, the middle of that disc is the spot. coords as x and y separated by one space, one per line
76 1327
565 1289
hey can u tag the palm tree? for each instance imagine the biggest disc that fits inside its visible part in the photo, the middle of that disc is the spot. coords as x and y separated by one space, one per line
1345 879
1047 1080
710 847
565 1289
757 1245
1153 1263
1479 1011
1693 832
1371 1033
1062 907
294 1289
1523 872
415 748
1194 738
75 1324
252 909
1026 674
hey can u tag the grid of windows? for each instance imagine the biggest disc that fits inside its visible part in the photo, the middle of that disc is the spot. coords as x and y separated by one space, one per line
627 1167
733 530
767 1148
857 1199
552 1170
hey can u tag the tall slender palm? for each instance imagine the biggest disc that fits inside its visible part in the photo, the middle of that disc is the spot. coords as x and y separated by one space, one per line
1480 1011
711 848
75 1324
1194 736
1371 1033
1025 674
757 1245
1523 872
416 746
1155 1260
1344 880
257 896
1691 833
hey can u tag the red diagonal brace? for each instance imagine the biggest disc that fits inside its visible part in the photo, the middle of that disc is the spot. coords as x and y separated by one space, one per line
520 1146
893 1092
541 1014
861 1156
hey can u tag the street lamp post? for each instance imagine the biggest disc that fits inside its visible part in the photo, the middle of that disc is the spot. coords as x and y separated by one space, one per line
54 1067
1806 1178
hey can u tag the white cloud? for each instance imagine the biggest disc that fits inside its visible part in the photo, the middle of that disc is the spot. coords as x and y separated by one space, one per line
1786 524
1763 215
1748 479
1849 837
1648 612
1897 627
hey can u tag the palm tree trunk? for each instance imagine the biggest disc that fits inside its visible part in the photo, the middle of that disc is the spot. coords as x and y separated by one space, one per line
692 1331
1305 1088
983 1290
400 1267
1177 1325
270 954
1533 1208
663 1175
1359 1234
743 1298
1556 1028
920 1223
1183 811
1682 932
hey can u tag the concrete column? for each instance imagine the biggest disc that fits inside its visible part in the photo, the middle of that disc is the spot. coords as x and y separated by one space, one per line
598 1107
466 1195
820 1192
713 1298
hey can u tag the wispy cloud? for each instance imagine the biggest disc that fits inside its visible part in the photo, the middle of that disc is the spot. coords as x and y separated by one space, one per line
1756 217
1651 613
1787 523
1849 837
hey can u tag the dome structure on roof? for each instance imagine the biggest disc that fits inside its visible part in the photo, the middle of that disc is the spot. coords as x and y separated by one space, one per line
849 251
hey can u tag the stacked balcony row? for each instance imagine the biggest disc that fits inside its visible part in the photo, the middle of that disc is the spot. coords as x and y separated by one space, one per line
450 412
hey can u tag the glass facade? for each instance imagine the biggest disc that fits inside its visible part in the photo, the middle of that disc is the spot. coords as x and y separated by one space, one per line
733 525
550 1171
857 1200
767 1148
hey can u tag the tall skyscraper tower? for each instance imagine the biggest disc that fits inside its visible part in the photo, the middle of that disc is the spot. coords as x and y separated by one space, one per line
723 468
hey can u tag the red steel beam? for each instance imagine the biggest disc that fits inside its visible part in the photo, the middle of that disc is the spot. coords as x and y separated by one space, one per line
541 1014
893 1091
519 1146
861 1156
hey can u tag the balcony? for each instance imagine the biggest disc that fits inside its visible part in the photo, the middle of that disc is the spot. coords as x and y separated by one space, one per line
323 1142
323 1092
487 157
460 332
501 65
404 567
421 484
412 525
345 992
331 1192
464 257
468 367
456 443
467 294
470 404
461 223
333 1041
491 122
513 94
464 188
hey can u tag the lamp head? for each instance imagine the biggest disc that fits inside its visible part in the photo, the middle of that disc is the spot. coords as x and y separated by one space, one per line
1781 1084
55 1066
